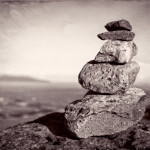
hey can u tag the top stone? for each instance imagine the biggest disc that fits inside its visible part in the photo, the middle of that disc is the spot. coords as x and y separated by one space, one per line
118 25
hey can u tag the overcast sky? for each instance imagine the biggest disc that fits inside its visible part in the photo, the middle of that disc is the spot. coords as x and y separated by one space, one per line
53 40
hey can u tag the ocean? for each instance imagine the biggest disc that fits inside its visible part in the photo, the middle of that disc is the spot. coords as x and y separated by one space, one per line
26 101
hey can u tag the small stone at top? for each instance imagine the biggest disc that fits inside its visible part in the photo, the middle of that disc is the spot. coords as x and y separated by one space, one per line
118 25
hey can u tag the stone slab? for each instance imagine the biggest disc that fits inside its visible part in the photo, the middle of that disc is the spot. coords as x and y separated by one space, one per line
117 35
119 25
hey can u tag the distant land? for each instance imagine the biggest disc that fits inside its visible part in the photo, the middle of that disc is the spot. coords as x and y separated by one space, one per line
11 78
24 1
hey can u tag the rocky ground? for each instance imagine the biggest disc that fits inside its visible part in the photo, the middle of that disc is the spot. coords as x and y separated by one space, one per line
49 132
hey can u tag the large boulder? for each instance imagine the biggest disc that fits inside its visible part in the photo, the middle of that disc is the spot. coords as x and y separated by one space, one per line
117 35
118 25
97 115
108 78
117 51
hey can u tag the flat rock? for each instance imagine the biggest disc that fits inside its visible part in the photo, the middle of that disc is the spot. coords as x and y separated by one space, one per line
117 35
117 51
36 136
119 25
97 115
108 78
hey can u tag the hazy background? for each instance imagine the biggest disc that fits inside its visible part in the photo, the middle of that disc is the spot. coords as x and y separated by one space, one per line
44 45
53 39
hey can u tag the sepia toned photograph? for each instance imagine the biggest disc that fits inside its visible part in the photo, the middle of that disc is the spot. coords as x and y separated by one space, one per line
74 74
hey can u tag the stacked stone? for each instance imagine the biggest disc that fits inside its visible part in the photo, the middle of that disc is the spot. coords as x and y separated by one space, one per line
111 105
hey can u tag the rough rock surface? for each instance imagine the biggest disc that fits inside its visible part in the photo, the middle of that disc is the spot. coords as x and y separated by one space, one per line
118 25
35 136
117 51
25 136
108 78
97 115
117 35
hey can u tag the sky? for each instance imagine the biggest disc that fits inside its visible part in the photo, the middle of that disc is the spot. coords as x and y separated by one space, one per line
54 39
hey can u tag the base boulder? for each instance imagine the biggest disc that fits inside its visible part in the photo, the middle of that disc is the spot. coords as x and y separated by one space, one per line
97 115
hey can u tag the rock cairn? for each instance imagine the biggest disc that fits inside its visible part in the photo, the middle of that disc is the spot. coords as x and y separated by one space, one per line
111 105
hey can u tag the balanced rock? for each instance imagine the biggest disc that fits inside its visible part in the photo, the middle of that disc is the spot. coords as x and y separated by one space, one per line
117 51
97 115
108 78
117 35
118 25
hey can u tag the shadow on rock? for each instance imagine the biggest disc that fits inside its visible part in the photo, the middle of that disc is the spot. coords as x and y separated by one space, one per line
55 123
147 113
